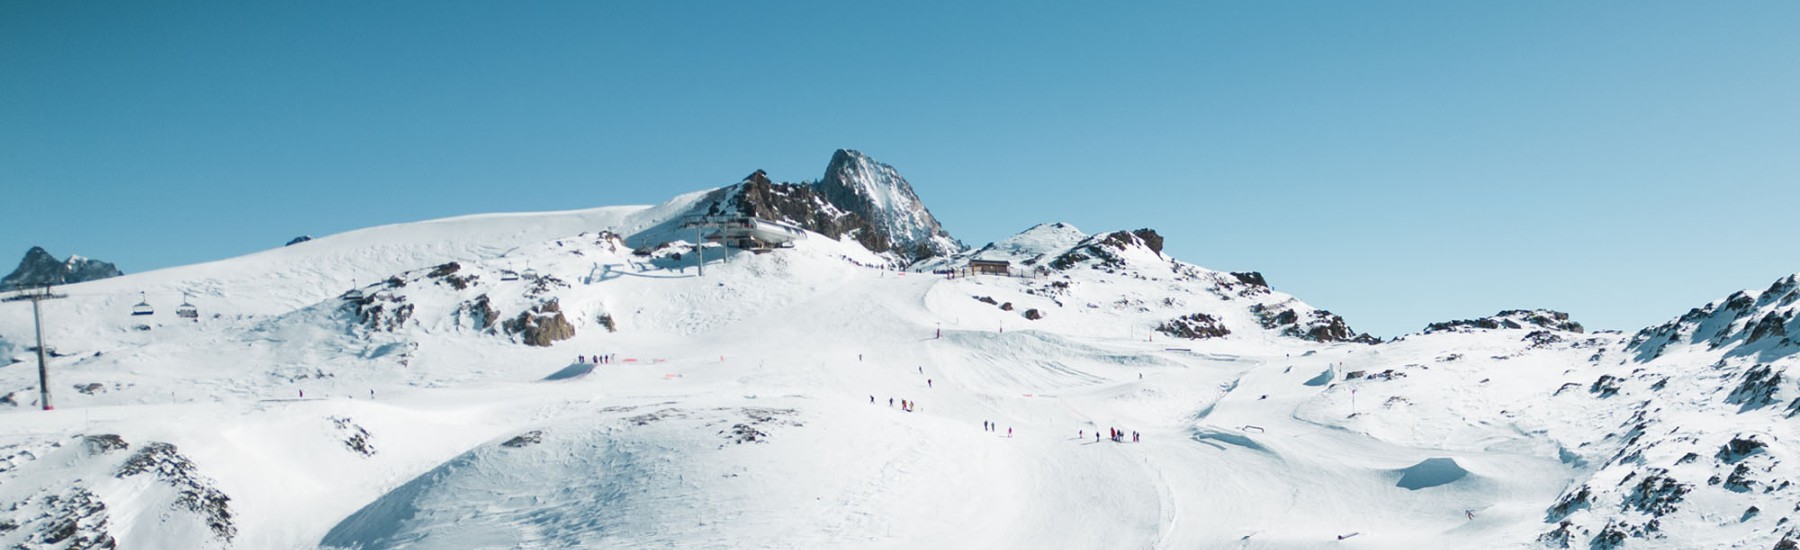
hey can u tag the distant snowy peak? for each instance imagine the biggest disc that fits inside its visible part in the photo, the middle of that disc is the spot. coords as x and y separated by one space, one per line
858 198
1511 319
39 267
859 184
1064 256
1033 244
1748 321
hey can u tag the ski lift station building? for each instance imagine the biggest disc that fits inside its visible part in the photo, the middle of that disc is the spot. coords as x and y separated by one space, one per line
752 233
990 267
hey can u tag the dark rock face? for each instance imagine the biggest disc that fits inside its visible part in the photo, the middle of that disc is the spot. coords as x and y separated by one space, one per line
1765 321
1251 278
356 438
40 268
526 439
298 240
542 325
1104 249
195 492
859 184
799 204
1511 319
381 311
1317 325
858 198
76 518
1194 327
1150 239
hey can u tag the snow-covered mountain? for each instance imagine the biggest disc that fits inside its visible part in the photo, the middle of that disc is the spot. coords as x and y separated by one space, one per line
39 267
859 198
435 385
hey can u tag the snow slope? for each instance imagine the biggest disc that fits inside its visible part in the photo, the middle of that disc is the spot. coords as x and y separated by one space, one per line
447 406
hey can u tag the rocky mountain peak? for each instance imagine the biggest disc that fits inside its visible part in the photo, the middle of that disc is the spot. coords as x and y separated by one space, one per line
39 267
758 177
859 198
857 183
1747 321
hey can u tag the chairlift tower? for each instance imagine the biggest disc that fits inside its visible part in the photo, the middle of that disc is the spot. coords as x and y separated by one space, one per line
700 223
36 298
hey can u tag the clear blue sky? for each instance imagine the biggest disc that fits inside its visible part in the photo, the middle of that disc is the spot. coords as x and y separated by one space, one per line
1396 162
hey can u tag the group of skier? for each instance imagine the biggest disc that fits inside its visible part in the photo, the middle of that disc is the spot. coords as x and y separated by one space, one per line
1115 434
990 426
597 359
905 405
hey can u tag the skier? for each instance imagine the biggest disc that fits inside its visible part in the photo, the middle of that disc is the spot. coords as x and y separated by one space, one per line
1009 432
1080 434
871 400
927 382
890 401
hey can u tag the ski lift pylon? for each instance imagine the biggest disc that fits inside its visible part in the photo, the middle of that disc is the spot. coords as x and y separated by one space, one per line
355 293
143 306
529 273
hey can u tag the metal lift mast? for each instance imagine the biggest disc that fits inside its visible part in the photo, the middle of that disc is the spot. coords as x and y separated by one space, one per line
36 298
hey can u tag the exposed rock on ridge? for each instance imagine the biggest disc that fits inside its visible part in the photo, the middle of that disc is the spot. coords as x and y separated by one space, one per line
1511 319
858 197
40 268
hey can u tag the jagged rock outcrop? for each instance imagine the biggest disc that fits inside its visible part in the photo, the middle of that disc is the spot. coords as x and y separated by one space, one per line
859 184
39 267
858 198
799 204
1317 325
380 310
542 325
1108 251
195 493
1702 405
1194 327
1746 321
1511 319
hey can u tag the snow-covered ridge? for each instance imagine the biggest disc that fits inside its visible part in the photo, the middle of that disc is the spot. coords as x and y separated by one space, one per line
412 385
1746 322
1511 319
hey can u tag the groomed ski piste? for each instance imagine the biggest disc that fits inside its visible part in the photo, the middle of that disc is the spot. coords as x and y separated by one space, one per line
760 406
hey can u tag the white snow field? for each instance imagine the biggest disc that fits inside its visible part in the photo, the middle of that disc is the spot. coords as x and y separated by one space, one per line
750 407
